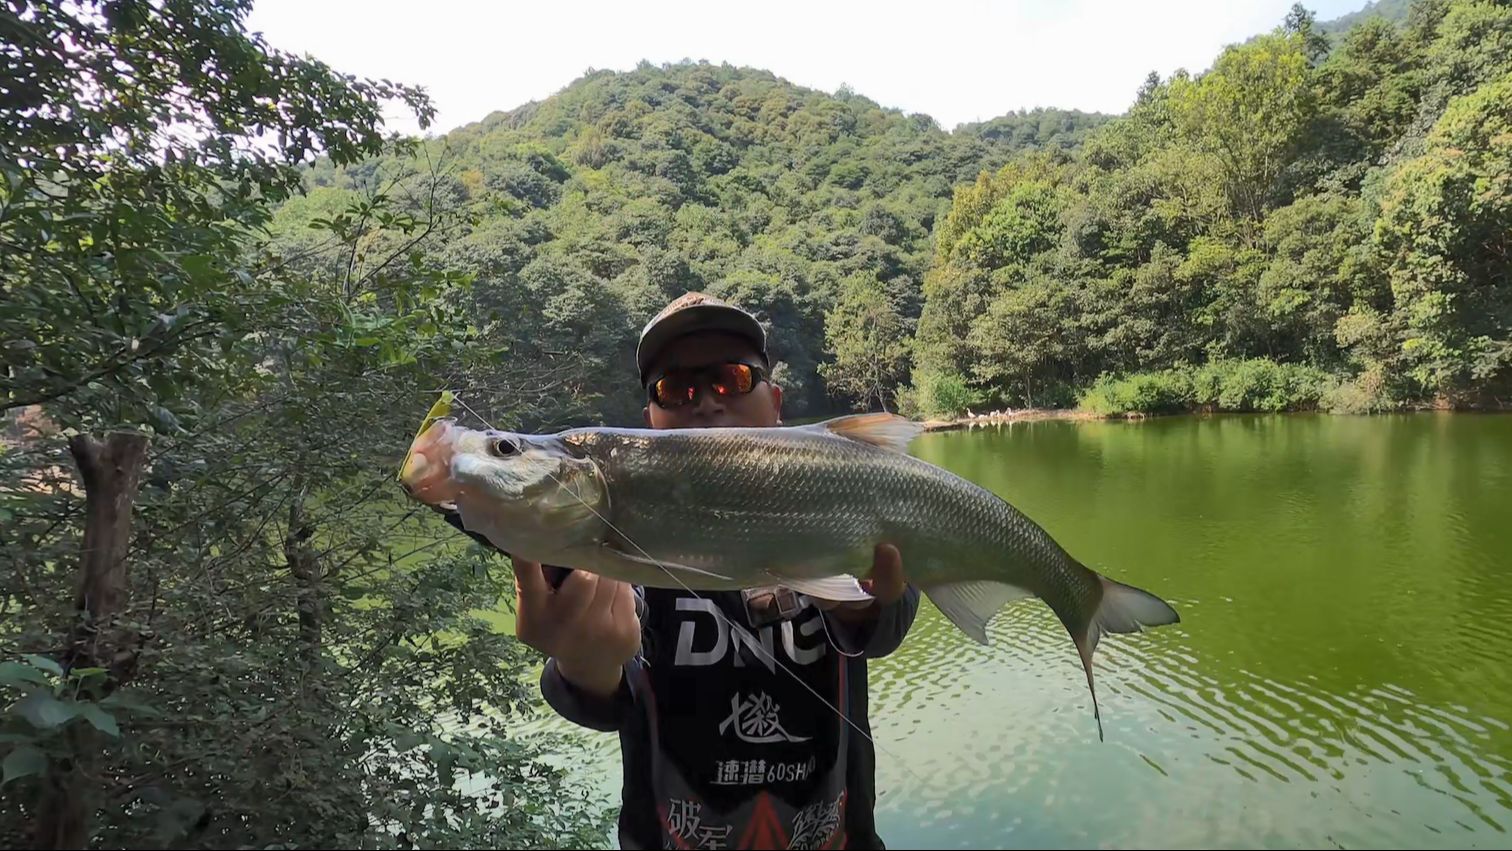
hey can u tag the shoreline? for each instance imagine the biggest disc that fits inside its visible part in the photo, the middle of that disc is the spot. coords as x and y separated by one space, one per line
1076 415
1000 417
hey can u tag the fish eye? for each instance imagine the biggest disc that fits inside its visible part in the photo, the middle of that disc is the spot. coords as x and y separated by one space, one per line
504 447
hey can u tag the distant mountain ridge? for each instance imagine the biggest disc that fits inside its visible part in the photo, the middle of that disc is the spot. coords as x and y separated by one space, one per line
1392 10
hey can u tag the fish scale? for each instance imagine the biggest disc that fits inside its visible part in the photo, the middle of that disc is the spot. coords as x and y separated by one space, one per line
802 506
726 499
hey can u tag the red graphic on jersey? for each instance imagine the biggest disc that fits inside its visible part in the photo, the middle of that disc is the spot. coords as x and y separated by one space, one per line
764 830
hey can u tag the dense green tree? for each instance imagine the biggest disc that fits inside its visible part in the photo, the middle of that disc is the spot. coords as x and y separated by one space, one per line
216 627
1372 83
1336 203
1445 233
123 206
1249 111
869 342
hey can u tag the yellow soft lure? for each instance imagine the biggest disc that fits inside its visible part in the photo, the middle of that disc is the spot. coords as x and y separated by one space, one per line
441 409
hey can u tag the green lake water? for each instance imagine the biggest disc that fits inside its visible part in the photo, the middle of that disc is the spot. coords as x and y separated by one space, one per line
1341 677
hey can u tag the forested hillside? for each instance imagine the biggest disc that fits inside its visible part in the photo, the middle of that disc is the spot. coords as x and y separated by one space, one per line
1315 220
1394 11
1284 230
588 211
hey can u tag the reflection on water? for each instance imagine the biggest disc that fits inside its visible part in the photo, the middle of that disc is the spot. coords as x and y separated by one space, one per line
1342 675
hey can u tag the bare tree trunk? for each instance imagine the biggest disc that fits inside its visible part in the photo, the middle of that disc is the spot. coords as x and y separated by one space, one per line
306 571
111 470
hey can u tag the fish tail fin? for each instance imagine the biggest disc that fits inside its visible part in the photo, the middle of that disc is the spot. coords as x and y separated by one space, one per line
1116 607
1121 609
1084 649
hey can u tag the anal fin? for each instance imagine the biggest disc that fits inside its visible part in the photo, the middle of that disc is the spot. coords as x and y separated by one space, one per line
842 588
971 605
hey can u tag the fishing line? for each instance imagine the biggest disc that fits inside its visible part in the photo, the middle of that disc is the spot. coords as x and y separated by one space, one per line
750 640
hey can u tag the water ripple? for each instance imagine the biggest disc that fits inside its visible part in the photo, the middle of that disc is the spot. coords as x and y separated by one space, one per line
1339 678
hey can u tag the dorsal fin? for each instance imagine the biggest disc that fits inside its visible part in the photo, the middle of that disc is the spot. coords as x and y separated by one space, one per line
888 431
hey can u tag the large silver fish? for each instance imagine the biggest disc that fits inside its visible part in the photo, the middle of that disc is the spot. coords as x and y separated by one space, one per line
730 508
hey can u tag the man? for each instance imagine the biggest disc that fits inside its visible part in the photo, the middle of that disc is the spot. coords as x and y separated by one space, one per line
720 698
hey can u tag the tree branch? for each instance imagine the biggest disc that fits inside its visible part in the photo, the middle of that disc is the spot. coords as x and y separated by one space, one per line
100 372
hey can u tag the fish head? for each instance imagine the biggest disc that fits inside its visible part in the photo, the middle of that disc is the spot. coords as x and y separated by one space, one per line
536 486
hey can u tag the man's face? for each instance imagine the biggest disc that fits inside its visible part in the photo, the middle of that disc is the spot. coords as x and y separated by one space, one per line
760 408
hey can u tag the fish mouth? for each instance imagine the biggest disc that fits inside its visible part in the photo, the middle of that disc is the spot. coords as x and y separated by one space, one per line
426 474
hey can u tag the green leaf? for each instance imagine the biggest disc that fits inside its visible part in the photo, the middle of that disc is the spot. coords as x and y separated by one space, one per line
445 760
198 265
44 711
103 721
82 673
120 700
45 664
22 762
406 741
13 673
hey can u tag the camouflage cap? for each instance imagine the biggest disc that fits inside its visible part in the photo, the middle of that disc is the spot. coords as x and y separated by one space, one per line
694 312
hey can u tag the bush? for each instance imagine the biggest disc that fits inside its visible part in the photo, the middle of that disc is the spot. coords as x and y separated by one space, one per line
1229 385
939 394
1148 392
1366 393
1259 385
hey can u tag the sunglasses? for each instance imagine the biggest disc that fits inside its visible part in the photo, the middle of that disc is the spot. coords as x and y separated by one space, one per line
678 387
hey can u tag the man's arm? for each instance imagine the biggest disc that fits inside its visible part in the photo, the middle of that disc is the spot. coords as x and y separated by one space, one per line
587 626
880 633
587 708
590 631
601 706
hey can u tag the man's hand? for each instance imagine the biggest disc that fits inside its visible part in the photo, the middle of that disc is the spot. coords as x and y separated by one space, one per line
885 584
588 625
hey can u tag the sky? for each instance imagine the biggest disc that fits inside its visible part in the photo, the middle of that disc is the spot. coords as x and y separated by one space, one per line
954 60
